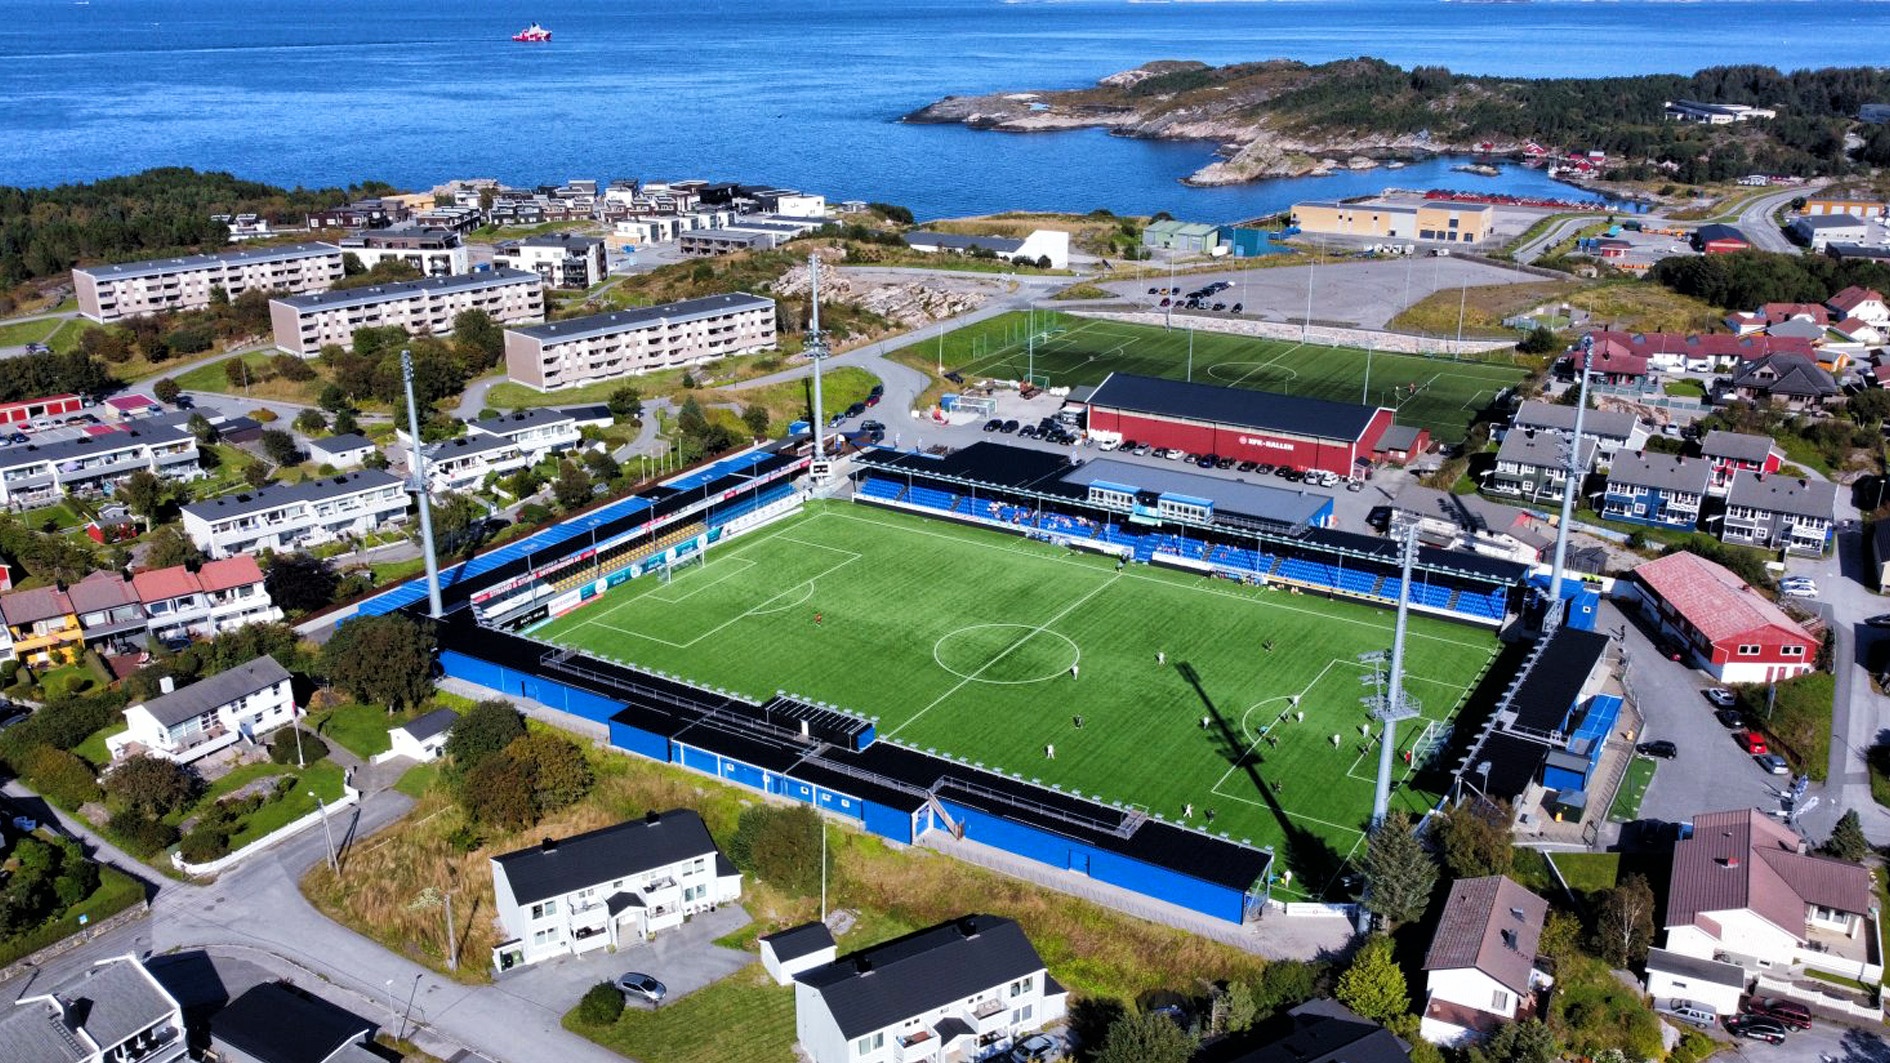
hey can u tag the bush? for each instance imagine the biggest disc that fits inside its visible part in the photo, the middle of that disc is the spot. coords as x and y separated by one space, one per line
282 746
482 732
465 838
59 776
782 846
141 833
601 1005
151 785
205 842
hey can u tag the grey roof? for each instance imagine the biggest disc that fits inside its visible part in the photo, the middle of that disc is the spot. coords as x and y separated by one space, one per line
1737 446
143 434
1663 472
1793 374
1606 424
34 1033
1726 974
1284 505
385 293
1326 1031
439 721
1783 494
1542 449
1796 328
964 243
1399 437
519 420
159 266
278 495
1844 250
466 446
578 328
110 1002
745 236
1814 222
100 591
1401 209
798 941
567 241
1264 411
888 983
206 694
338 445
273 1023
626 849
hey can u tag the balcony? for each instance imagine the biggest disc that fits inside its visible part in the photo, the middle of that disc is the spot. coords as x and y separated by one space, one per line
920 1045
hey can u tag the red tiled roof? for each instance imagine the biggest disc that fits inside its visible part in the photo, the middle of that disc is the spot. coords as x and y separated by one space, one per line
1850 326
43 603
1721 605
1777 312
238 571
99 591
1704 344
1743 860
1493 925
160 584
1853 297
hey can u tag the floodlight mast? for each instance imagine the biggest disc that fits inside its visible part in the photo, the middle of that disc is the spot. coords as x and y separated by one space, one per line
816 350
418 471
1572 473
1394 705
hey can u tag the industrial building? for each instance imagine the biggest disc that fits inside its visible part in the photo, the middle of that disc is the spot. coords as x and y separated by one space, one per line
1733 632
563 354
132 289
304 324
1438 222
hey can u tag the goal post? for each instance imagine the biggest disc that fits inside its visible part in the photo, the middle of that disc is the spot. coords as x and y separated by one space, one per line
670 569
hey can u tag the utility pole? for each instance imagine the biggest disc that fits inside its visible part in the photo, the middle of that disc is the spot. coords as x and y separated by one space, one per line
1393 705
418 462
334 865
1572 476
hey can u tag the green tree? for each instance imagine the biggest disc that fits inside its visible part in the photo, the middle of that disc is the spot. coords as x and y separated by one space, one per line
1528 1041
780 845
499 793
279 446
477 339
298 583
292 367
381 660
1399 873
1539 340
236 372
1847 841
1624 925
145 493
169 546
556 766
345 423
256 474
690 420
603 468
166 390
601 1005
1475 839
332 398
309 422
1240 1008
572 488
625 402
200 426
1374 985
483 732
151 785
756 418
1145 1037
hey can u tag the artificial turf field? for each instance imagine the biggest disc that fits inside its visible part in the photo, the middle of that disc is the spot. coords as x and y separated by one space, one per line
962 640
1439 394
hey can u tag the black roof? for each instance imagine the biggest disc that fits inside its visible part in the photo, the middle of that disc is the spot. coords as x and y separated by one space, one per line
1561 668
278 1024
1880 541
1326 1031
609 853
433 723
1514 762
888 983
1716 231
798 941
1263 411
998 464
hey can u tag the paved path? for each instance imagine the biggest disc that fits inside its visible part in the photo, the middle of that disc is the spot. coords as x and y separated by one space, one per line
1553 235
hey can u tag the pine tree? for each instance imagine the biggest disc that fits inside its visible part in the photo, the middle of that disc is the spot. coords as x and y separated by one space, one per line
1847 841
1398 872
1374 985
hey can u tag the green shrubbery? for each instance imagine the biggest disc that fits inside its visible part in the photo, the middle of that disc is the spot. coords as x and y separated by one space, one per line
601 1005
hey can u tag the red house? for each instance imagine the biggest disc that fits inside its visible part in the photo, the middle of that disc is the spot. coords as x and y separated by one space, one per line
1719 240
1260 426
1731 630
1729 452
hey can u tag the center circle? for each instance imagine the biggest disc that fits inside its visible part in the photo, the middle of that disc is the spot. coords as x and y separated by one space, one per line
1005 654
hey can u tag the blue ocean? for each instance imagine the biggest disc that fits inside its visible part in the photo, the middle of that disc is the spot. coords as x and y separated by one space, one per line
807 94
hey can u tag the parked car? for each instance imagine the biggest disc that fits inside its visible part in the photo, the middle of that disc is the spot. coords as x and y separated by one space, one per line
1236 308
11 714
637 984
1752 743
993 425
1662 748
1730 717
1697 1014
1722 697
1142 449
1224 463
1773 764
1800 590
1008 427
1034 1049
1880 620
1756 1027
1790 1012
856 409
1246 466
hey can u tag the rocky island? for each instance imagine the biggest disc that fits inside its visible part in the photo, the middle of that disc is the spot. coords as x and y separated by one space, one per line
1282 118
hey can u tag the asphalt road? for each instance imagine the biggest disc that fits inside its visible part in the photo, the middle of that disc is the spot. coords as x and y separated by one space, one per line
1755 219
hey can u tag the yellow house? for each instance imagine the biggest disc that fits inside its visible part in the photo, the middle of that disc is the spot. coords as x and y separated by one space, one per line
42 626
1440 221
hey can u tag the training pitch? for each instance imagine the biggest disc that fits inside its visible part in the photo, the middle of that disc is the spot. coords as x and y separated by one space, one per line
1439 394
989 647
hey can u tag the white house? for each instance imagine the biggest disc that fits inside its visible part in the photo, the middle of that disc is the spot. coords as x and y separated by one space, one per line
1744 890
1612 430
462 464
1053 244
424 738
542 431
185 724
1865 304
343 451
610 887
1677 976
945 993
274 1023
115 1012
296 516
1481 968
564 260
786 953
37 473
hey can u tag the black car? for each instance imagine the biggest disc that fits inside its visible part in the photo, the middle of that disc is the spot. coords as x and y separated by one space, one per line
856 409
1756 1027
1154 291
1029 431
1166 300
1008 427
11 714
1663 749
1207 461
954 377
878 390
1218 307
1246 466
993 425
1880 620
1729 717
1236 308
1127 446
872 426
1379 517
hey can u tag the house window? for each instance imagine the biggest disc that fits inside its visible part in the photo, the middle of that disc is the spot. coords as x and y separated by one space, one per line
1020 987
544 937
1792 651
1020 1016
869 1044
1499 1001
548 908
1747 649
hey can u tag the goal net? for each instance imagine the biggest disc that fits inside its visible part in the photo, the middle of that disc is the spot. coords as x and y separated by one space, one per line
671 569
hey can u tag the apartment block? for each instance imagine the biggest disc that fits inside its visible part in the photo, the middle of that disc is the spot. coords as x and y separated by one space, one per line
562 259
305 323
584 350
133 289
1772 512
433 252
295 516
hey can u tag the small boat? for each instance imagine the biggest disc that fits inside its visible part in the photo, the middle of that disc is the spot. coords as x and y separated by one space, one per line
533 34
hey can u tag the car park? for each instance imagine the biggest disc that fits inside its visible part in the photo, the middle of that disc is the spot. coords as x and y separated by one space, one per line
1752 742
1773 764
1355 484
1789 1012
1662 749
1207 461
1757 1028
637 984
1722 697
1224 464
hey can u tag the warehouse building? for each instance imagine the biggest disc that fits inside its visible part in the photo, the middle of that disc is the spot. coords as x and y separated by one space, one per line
563 354
1337 437
1450 223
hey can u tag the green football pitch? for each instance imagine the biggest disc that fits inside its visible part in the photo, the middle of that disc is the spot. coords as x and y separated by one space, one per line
1439 394
989 647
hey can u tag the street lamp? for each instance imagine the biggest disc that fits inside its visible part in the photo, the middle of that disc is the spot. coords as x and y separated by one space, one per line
334 865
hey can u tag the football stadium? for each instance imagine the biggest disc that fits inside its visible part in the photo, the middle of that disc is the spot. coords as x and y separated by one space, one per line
1161 685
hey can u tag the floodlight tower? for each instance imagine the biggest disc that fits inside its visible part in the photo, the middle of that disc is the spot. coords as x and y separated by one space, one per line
1391 704
816 350
417 468
1572 473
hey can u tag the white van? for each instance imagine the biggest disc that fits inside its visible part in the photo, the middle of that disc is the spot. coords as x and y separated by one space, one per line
1698 1014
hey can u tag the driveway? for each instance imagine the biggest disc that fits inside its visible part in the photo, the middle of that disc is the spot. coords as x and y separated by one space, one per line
684 960
1824 1042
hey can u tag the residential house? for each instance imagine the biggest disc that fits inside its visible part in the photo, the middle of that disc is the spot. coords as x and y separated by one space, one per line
1745 890
1865 304
222 596
1793 379
786 953
607 888
276 1023
343 451
1712 983
1663 490
1532 466
1481 968
563 260
1611 430
1715 113
1673 352
115 1012
463 464
360 214
1730 630
422 739
948 992
431 252
1858 331
542 431
1731 452
1326 1031
39 473
297 516
42 627
110 615
1053 244
187 723
1779 512
1798 328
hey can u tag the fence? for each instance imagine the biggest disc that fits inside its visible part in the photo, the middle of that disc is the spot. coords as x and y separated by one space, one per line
66 944
1314 910
349 796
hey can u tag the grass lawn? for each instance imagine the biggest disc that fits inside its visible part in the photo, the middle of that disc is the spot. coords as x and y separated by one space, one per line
1070 350
980 667
507 395
93 748
323 778
20 333
361 729
61 515
116 892
1588 872
1798 727
263 383
417 780
1627 800
745 1009
1692 389
790 400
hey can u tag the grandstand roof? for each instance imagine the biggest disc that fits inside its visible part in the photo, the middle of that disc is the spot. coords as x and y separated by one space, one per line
1263 411
997 464
1514 761
1276 505
1562 667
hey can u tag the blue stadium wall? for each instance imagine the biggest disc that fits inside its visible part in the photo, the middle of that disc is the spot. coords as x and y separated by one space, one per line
537 688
